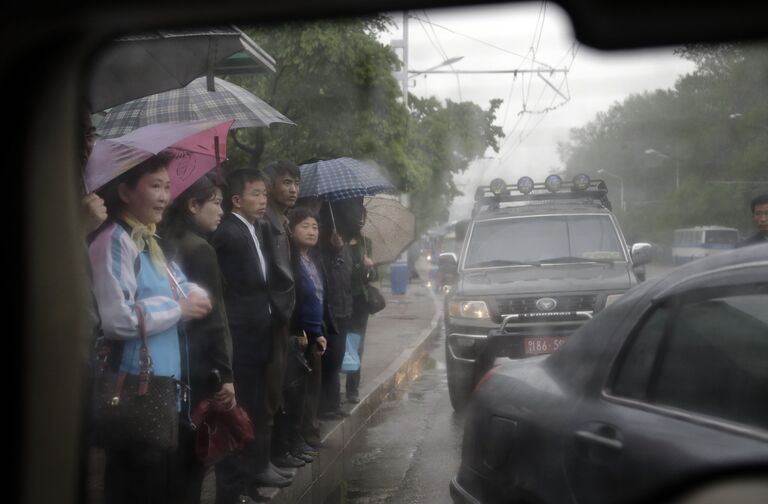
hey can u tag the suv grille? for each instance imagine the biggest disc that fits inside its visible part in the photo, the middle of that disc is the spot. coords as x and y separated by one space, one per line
527 305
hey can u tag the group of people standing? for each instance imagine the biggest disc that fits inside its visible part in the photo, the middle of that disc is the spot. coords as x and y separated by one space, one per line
247 295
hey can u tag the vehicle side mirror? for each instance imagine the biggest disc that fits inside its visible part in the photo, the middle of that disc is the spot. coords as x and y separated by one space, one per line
642 253
448 263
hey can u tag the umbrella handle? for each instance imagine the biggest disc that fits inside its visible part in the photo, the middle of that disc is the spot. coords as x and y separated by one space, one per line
333 219
218 155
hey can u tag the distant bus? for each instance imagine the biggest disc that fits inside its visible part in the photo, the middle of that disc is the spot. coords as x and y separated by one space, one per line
697 242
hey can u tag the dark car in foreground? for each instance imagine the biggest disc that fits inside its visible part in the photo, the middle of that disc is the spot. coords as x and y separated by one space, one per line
668 382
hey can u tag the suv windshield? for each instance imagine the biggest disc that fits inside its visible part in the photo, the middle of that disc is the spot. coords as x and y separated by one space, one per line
535 240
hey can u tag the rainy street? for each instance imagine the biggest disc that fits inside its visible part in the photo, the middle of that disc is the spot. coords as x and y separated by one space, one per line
412 446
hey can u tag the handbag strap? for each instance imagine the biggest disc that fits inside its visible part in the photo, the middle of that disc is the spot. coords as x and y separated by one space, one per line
145 362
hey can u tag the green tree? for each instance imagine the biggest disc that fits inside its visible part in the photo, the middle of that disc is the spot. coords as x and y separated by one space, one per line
334 80
712 126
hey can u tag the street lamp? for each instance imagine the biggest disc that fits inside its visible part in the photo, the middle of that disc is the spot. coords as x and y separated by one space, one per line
621 189
654 152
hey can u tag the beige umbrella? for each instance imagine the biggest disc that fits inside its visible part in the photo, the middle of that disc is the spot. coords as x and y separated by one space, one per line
390 226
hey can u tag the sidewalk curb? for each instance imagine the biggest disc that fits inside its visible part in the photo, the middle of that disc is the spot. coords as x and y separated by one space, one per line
316 482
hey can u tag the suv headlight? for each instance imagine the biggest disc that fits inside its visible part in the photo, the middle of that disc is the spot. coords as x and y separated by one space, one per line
610 298
468 309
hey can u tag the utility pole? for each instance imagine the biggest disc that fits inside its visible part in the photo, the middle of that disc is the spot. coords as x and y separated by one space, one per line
405 58
403 44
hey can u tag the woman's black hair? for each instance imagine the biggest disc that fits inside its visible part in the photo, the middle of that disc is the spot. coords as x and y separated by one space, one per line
298 215
177 217
110 194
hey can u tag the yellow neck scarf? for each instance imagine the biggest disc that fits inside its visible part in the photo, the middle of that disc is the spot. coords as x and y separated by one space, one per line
144 237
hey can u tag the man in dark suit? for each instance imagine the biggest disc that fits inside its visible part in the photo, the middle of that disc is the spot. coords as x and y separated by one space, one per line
239 246
760 217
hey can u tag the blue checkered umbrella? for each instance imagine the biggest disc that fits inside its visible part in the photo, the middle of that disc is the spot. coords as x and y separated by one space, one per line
191 103
342 178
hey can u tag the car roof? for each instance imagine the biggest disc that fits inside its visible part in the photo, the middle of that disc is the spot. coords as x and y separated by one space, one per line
543 207
695 273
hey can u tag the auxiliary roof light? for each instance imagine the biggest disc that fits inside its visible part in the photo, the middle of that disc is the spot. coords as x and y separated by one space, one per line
525 185
581 182
553 183
498 186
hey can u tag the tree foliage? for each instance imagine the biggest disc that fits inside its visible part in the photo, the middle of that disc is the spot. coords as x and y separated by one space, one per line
334 80
712 127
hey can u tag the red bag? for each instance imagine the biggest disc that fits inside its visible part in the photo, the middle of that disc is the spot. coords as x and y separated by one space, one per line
220 433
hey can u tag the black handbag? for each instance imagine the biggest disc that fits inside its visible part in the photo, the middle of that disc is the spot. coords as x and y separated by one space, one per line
376 301
134 410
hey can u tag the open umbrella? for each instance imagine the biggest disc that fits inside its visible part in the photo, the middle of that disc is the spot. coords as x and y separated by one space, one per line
342 178
190 103
390 226
139 65
194 145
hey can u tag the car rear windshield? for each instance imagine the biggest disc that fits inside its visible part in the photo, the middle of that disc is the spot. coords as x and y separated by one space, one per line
534 240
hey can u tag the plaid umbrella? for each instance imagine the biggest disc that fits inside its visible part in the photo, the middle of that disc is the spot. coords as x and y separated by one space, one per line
190 103
342 178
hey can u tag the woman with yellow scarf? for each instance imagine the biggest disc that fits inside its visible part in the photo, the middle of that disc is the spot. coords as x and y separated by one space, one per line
130 271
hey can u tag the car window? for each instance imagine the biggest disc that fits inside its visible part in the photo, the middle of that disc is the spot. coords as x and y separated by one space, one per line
713 361
636 364
705 356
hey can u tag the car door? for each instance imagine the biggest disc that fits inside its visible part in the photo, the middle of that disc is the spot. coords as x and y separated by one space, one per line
686 393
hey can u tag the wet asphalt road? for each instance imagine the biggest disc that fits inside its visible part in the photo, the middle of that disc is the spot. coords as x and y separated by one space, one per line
412 447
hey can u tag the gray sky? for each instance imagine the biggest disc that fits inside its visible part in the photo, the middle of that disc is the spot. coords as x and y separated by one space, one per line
595 81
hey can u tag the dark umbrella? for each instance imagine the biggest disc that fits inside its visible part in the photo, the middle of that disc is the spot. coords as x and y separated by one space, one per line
144 64
342 178
193 102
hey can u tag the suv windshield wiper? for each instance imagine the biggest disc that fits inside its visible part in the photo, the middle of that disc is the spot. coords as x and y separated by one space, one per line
574 259
503 262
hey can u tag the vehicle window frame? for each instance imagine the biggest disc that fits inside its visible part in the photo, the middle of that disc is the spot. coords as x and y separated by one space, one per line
646 404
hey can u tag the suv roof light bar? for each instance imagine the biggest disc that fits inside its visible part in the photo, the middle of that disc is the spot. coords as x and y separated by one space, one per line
596 190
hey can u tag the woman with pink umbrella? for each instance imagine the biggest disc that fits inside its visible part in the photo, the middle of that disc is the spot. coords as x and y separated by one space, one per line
140 294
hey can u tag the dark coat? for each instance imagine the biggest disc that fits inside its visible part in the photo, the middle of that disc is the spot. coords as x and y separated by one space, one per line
281 283
210 343
755 239
328 320
246 294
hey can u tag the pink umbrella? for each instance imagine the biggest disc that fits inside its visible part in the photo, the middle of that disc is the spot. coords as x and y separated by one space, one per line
197 146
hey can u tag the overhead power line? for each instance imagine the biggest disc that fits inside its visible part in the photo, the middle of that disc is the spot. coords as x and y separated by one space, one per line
482 42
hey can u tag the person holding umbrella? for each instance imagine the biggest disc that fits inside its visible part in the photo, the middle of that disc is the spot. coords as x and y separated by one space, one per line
337 262
131 273
191 218
363 272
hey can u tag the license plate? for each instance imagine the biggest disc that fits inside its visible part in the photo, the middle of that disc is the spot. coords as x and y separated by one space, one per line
545 345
